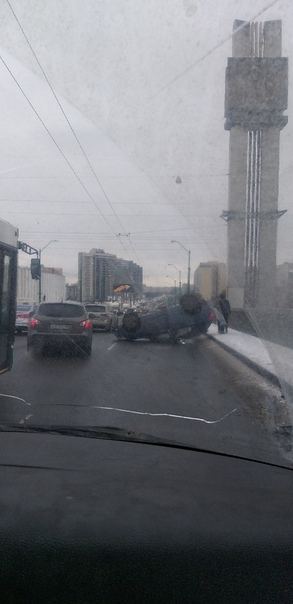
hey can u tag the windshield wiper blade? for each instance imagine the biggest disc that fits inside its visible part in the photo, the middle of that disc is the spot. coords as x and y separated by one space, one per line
123 435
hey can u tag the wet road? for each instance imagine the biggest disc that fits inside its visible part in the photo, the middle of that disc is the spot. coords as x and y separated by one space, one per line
155 388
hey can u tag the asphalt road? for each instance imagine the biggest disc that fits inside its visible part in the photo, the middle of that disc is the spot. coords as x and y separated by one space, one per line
145 385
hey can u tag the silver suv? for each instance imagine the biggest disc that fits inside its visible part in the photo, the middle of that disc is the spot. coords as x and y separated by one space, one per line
24 313
58 324
102 316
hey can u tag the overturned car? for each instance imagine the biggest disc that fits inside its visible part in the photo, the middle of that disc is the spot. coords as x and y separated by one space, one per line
192 316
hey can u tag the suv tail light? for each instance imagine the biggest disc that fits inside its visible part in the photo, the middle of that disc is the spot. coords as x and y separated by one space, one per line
34 322
85 324
211 316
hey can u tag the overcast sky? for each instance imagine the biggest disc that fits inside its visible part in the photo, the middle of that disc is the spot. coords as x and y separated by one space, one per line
141 84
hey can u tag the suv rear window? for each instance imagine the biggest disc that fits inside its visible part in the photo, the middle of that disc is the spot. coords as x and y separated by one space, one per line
27 307
61 310
96 308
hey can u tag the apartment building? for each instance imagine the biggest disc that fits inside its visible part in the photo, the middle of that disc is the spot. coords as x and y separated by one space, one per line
210 279
99 272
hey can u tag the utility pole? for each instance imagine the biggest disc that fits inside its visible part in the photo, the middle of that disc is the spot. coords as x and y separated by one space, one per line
40 279
175 289
177 269
36 267
188 273
188 264
40 256
35 262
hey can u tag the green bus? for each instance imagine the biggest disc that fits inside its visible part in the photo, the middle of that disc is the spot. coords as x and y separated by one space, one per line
8 282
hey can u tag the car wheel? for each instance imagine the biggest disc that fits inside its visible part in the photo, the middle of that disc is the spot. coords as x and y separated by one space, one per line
131 322
191 303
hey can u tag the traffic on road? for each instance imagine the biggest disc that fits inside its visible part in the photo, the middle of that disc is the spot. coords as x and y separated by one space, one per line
145 224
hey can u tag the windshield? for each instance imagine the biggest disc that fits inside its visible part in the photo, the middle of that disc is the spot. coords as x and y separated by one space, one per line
60 310
146 159
24 307
96 308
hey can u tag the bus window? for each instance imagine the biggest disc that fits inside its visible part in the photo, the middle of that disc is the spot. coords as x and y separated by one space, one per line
4 313
8 270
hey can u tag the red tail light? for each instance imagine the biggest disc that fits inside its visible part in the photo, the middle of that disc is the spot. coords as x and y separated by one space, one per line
85 324
34 322
211 316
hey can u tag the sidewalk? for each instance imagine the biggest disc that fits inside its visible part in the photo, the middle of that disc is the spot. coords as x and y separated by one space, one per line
269 359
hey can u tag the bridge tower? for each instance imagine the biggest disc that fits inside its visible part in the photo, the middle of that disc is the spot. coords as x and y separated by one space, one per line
255 99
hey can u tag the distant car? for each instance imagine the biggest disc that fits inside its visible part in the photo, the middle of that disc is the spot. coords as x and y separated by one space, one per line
24 313
60 323
101 316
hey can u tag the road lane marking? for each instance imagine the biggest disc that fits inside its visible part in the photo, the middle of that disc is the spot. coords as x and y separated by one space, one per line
112 346
195 419
16 397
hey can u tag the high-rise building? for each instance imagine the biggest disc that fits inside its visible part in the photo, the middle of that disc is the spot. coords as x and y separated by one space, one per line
99 273
210 279
72 291
86 276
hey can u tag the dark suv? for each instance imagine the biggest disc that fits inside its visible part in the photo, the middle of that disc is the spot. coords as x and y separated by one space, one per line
60 323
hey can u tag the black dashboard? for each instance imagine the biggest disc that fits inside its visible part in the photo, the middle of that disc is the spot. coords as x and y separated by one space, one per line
86 520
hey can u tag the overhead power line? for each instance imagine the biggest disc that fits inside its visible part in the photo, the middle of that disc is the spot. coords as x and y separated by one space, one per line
72 131
212 50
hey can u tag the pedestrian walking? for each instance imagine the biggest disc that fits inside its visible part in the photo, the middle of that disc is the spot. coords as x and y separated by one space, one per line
225 310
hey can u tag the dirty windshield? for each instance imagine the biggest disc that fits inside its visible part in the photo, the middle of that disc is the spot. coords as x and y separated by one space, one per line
146 165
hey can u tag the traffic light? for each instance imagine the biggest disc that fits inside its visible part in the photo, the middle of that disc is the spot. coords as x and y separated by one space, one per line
36 268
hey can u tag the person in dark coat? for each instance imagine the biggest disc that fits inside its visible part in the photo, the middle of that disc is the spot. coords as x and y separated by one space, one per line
225 309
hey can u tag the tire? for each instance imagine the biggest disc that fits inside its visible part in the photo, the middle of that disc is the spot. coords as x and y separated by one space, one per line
131 322
191 303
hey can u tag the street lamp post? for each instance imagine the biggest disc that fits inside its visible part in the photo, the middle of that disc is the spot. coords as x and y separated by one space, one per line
177 269
168 276
40 259
188 264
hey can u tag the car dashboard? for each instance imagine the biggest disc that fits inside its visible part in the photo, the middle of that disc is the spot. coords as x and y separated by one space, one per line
93 520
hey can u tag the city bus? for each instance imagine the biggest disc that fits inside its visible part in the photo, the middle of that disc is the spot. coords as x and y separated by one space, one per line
8 278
